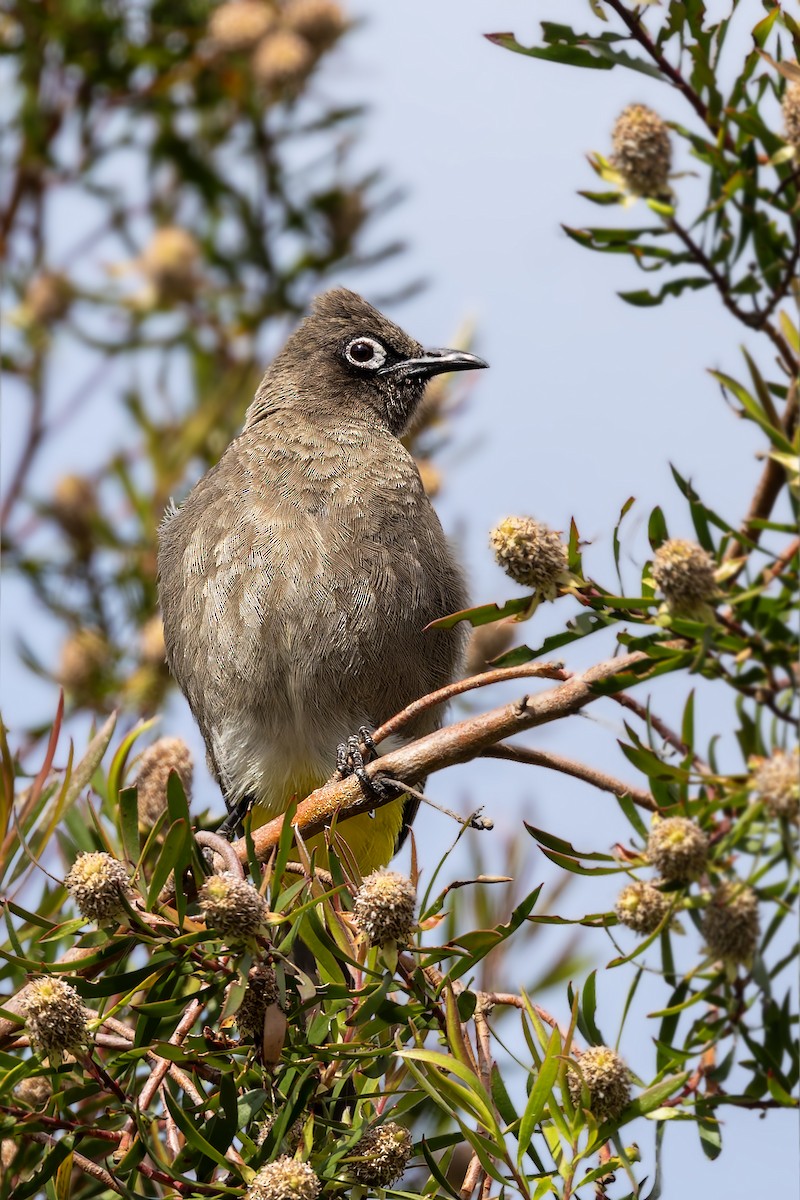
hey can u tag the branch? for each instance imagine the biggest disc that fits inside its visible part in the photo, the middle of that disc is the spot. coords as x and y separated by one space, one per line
457 743
568 766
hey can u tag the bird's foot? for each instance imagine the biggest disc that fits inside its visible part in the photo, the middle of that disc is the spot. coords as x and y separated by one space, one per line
351 760
232 827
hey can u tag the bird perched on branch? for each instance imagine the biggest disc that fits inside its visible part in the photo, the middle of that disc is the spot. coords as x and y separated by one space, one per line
298 576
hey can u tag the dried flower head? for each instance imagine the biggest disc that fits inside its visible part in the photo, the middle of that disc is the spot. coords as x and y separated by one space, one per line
260 993
152 647
776 782
791 114
240 24
531 553
320 22
282 59
54 1017
285 1179
730 924
97 883
292 1137
83 656
606 1078
384 907
381 1156
487 642
232 907
74 506
642 907
677 848
642 151
165 755
35 1091
684 572
47 297
169 261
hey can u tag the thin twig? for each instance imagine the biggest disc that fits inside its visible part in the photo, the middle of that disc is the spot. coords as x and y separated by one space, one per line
81 1162
568 766
549 670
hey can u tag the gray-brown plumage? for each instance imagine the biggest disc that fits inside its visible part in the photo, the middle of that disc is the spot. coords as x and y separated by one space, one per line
297 578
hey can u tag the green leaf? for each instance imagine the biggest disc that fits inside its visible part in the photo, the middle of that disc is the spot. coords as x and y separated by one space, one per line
540 1093
644 298
484 614
128 823
175 856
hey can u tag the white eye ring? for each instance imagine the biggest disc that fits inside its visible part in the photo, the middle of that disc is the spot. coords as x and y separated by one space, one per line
365 353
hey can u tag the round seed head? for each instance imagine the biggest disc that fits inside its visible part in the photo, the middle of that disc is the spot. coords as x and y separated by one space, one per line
320 22
531 553
677 848
47 297
169 261
606 1078
384 907
684 573
54 1017
382 1155
232 907
97 882
240 24
261 992
165 755
83 656
776 782
35 1091
285 1179
642 907
282 59
791 114
74 505
730 923
642 152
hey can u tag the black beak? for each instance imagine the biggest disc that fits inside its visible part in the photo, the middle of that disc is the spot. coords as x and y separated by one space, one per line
435 362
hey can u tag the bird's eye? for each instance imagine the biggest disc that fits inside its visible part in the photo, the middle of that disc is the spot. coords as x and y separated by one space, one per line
365 352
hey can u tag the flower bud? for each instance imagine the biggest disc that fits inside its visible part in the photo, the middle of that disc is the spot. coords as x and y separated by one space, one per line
75 506
531 553
730 924
677 848
283 59
232 907
384 907
165 755
35 1091
642 151
240 24
606 1078
320 22
285 1179
47 297
487 642
169 261
684 573
791 114
55 1017
97 883
260 993
83 656
642 907
777 784
381 1156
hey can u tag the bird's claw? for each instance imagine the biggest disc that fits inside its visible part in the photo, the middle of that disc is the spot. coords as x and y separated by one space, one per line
351 760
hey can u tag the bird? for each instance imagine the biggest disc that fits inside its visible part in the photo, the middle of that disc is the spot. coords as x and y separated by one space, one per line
297 578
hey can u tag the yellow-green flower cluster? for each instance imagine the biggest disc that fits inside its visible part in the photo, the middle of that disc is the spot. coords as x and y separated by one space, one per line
532 554
384 907
642 151
606 1078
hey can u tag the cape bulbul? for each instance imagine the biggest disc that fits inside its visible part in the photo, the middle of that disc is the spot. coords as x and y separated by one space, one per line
298 576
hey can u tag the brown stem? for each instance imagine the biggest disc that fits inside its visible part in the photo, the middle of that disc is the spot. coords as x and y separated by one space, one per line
568 766
81 1162
442 695
461 742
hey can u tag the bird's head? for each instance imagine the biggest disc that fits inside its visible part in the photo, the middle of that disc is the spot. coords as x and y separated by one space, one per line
346 355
